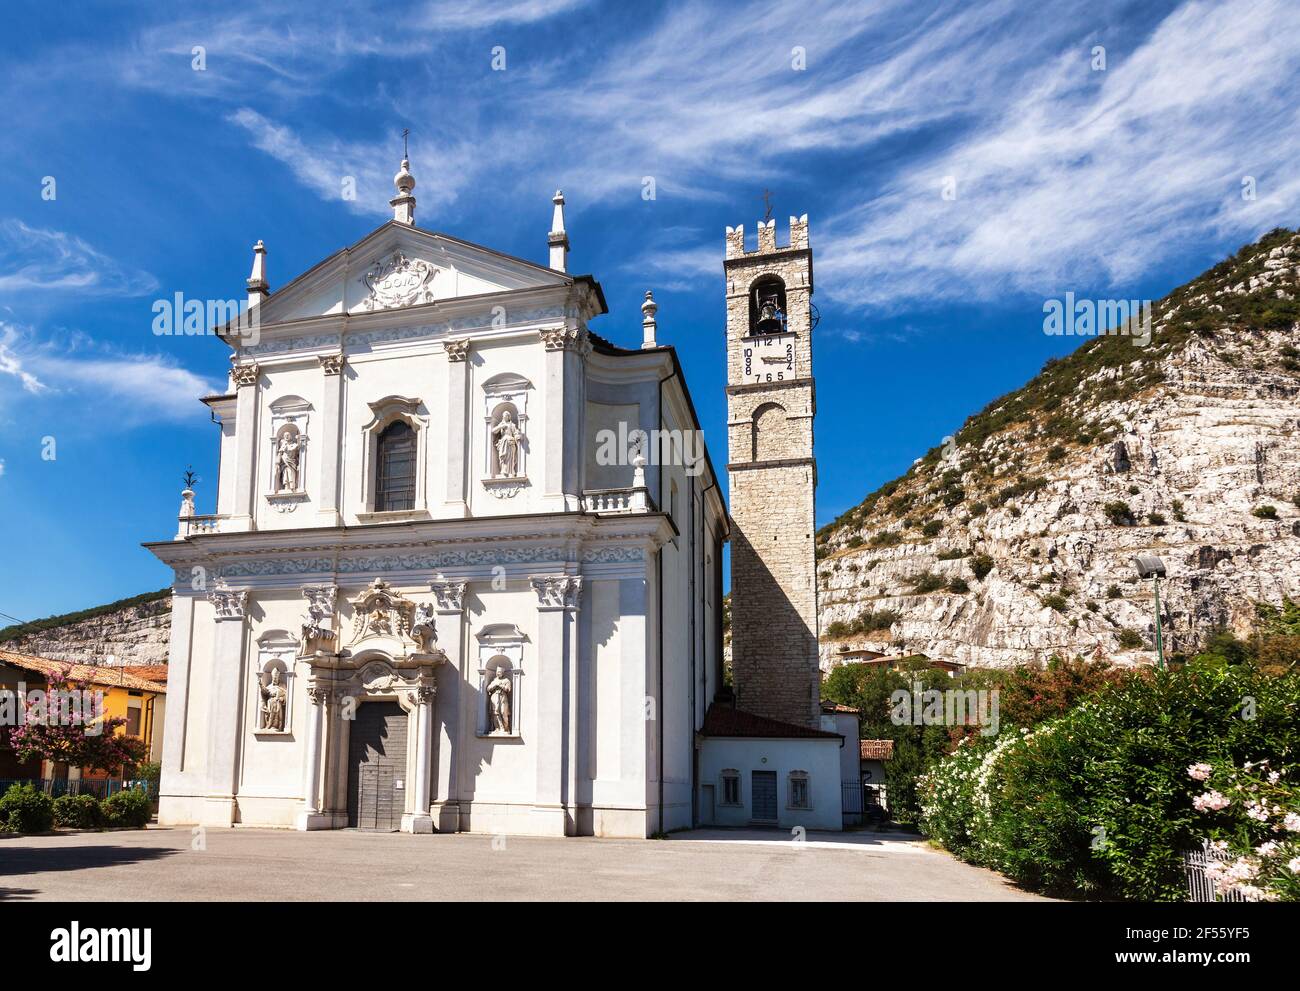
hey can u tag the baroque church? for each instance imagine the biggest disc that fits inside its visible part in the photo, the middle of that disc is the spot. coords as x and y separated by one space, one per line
429 598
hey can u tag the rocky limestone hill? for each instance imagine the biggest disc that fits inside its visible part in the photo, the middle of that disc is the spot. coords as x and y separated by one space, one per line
1014 540
128 632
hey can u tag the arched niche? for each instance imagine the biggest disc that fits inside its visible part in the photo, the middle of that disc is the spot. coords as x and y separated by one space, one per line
505 433
273 683
501 656
286 452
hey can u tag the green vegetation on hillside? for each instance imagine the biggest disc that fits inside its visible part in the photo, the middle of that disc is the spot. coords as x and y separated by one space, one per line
19 630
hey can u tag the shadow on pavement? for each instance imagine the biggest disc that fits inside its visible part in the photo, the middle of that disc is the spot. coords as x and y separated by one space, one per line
19 860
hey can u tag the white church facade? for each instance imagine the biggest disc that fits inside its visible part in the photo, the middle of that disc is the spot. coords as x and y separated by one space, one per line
464 571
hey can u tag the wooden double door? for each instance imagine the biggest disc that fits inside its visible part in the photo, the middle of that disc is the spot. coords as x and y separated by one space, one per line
377 767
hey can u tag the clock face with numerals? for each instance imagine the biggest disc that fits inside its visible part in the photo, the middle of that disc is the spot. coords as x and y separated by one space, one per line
767 359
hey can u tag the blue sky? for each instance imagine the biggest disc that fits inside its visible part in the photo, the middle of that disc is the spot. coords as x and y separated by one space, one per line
1116 182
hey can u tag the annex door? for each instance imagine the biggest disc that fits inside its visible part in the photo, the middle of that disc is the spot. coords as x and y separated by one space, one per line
763 790
377 767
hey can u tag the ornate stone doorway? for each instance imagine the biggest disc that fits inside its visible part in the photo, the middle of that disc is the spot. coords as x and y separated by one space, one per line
377 767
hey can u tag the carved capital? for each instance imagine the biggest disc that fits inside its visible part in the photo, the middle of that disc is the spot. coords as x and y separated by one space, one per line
246 374
568 338
319 695
229 603
557 591
450 595
331 364
457 350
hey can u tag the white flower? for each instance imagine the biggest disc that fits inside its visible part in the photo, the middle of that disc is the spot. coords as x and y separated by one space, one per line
1292 822
1211 801
1200 772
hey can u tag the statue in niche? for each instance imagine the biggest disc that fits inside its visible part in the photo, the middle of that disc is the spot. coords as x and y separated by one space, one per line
424 631
286 462
273 699
507 436
498 690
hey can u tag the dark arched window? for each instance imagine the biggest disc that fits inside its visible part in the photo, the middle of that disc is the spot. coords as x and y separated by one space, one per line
395 468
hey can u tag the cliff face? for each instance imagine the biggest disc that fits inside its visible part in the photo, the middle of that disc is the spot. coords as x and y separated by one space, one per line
134 633
1015 540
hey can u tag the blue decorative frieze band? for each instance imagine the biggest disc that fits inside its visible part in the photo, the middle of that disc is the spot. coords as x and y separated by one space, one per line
280 566
285 344
612 555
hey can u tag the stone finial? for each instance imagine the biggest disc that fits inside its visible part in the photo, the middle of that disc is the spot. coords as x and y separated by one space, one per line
258 287
558 238
648 325
403 203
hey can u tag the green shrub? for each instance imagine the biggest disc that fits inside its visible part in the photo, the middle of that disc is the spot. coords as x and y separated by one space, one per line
981 565
1155 519
955 554
1057 453
1099 802
959 586
1264 512
127 808
1118 513
1056 602
932 528
77 812
886 538
926 581
1114 592
26 809
1130 639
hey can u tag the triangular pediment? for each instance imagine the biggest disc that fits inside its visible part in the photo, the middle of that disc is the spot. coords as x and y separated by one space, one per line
397 266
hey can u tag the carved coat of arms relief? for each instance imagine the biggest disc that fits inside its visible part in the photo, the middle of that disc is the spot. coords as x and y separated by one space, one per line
398 281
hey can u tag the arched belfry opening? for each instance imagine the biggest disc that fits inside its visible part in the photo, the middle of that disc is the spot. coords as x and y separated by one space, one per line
767 306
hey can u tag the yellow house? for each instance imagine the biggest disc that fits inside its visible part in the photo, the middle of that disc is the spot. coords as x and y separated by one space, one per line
138 700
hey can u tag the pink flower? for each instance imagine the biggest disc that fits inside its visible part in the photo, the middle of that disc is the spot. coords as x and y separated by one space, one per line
1292 822
1293 865
1266 849
1257 812
1211 801
1200 772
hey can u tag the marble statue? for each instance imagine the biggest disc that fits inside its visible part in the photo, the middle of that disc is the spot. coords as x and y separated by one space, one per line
499 689
424 630
286 463
507 436
274 699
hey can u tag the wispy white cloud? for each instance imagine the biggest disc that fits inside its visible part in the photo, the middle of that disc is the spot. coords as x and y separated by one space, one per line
330 167
35 259
138 387
1092 177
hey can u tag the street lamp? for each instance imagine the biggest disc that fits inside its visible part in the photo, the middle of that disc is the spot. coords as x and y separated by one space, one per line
1150 566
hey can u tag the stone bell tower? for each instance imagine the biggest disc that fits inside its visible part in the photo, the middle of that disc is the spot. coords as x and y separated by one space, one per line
770 407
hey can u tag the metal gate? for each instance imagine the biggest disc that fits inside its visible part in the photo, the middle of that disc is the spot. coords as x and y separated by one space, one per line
377 767
763 790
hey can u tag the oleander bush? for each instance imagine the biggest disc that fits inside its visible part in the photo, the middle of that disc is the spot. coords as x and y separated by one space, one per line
77 812
1099 802
24 808
127 808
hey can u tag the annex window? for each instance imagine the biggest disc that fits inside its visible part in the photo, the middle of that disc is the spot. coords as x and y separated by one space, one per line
395 468
730 787
799 792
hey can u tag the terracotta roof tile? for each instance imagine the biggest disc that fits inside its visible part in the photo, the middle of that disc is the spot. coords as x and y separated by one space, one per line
103 676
